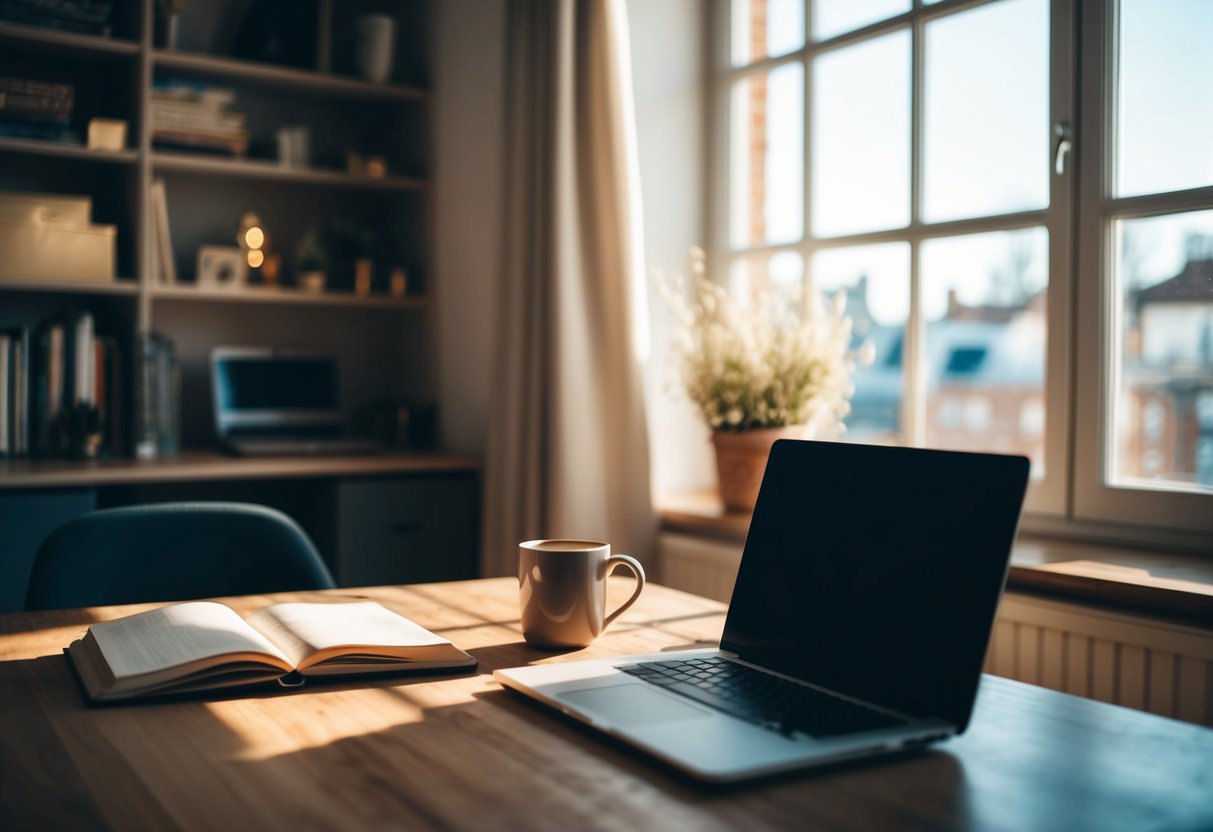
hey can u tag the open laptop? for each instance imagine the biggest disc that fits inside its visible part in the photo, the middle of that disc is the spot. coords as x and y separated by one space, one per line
858 623
279 402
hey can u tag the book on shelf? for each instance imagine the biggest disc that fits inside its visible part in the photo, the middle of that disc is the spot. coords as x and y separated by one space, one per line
86 17
36 109
196 117
35 100
199 646
14 391
63 363
6 396
165 265
157 397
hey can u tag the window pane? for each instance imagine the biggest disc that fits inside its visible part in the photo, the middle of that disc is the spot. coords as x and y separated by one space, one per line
986 111
983 301
834 17
861 137
877 282
766 28
780 275
1165 110
1163 406
767 204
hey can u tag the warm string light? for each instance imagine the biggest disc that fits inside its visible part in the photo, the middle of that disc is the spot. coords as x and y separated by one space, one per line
254 239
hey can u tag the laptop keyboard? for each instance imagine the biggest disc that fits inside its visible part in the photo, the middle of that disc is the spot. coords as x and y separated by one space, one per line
761 698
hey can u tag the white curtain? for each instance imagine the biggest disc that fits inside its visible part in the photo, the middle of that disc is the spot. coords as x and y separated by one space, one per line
567 449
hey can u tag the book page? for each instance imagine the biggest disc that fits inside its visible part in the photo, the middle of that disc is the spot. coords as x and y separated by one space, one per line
304 629
176 635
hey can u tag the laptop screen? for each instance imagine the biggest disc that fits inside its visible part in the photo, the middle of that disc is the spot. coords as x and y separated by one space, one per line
262 389
876 571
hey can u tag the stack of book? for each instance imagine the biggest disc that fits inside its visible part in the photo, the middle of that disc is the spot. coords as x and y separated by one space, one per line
58 378
85 17
197 117
33 109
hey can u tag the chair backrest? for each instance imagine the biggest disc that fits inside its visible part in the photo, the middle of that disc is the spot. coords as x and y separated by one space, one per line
173 552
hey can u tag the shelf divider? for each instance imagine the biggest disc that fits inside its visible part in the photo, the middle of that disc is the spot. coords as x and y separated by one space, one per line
65 42
259 169
67 150
319 84
286 296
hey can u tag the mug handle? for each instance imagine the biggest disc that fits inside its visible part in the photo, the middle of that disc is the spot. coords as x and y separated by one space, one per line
637 572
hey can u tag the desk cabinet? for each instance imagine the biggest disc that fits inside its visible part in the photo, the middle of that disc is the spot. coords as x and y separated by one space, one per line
383 519
400 531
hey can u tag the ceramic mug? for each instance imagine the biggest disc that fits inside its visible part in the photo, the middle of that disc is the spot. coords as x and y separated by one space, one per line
562 590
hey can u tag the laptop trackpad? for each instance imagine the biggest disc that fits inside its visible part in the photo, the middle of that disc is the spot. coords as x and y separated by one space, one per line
632 704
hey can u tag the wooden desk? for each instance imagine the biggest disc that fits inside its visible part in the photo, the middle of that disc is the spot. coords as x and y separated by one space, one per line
460 753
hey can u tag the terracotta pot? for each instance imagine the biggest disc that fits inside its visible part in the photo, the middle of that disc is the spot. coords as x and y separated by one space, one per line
741 459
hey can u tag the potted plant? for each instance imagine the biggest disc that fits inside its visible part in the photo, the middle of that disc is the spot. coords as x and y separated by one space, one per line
311 260
82 424
761 371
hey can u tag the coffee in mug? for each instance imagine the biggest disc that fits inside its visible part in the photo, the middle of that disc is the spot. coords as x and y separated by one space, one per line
562 590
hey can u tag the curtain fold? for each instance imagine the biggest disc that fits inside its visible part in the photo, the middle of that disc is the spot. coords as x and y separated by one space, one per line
568 449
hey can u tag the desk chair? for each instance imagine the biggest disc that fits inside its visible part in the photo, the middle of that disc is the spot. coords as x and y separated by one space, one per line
172 552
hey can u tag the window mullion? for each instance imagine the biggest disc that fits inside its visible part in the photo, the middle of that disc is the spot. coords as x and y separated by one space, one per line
914 402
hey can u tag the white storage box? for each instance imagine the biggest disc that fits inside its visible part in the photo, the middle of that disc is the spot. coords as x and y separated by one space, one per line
56 251
42 208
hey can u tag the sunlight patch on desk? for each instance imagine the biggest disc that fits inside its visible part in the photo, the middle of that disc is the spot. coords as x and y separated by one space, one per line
313 719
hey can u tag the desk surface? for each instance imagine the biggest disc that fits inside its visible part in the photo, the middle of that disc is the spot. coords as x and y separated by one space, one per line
460 753
194 466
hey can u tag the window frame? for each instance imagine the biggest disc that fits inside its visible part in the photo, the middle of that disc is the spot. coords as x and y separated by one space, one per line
1177 516
1048 496
1073 499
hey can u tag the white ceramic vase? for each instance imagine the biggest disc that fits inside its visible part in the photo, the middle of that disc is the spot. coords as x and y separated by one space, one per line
375 48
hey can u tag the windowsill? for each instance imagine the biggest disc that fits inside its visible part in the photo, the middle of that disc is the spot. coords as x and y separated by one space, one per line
1174 586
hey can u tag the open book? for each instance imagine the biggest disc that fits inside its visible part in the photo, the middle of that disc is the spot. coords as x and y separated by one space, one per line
201 645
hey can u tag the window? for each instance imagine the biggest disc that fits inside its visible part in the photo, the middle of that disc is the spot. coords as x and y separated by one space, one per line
919 157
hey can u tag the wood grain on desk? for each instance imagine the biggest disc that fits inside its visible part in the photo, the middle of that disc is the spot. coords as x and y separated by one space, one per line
194 466
460 753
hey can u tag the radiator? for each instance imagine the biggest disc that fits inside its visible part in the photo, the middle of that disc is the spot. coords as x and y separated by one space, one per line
1129 660
1143 663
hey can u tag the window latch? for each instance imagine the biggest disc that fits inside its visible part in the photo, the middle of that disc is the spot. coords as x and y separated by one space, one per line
1065 142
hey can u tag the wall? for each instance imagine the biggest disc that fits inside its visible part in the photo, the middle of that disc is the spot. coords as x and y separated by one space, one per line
469 38
667 72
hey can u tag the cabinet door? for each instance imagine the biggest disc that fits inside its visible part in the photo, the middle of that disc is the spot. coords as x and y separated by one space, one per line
26 519
406 530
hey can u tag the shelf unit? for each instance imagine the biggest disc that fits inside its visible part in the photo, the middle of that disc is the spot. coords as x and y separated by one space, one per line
381 340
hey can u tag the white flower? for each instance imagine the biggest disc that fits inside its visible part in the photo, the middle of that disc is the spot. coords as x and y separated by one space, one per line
765 363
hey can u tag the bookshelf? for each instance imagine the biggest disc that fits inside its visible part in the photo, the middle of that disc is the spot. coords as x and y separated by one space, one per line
382 341
115 76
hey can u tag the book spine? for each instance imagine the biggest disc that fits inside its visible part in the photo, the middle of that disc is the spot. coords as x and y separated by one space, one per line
83 362
146 439
49 89
22 419
55 383
6 396
168 413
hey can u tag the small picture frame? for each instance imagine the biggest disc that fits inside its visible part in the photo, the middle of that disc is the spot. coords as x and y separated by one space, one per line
221 267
